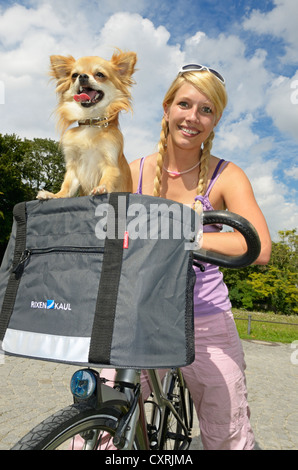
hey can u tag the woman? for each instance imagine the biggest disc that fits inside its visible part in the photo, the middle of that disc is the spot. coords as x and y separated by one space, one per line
184 170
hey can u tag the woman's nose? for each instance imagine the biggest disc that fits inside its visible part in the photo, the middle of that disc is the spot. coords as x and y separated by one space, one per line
192 115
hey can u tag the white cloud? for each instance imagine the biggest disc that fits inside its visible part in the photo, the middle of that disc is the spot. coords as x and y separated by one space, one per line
237 136
271 194
133 32
18 20
281 106
292 173
280 22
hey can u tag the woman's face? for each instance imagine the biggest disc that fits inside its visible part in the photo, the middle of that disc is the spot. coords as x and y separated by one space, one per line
191 117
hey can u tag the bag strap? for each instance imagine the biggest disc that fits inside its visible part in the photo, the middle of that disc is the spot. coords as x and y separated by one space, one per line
103 325
20 216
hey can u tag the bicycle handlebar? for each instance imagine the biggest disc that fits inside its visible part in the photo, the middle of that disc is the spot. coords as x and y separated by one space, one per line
241 225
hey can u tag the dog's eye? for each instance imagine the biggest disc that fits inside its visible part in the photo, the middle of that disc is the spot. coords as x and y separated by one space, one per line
100 75
74 75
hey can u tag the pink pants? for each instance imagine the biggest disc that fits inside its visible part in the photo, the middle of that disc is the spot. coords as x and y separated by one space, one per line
216 381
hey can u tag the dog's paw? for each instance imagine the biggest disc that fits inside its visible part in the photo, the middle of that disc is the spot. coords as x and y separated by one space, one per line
43 195
102 189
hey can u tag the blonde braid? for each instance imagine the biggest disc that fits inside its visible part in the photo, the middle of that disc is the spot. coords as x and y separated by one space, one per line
162 147
203 174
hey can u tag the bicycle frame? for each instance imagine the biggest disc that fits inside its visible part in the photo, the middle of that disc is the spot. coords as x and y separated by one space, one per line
160 395
133 425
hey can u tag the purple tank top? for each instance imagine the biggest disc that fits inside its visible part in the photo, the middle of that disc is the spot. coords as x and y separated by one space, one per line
210 292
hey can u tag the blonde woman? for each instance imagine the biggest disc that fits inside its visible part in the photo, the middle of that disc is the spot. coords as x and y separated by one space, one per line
184 170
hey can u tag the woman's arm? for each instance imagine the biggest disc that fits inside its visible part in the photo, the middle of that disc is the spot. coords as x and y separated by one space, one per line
236 192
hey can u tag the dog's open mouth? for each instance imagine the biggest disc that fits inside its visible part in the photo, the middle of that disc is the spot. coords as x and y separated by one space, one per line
88 97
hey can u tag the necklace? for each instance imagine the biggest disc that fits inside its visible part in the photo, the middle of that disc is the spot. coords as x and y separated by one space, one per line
179 173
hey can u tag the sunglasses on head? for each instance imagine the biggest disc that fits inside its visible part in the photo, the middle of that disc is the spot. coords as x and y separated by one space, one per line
199 68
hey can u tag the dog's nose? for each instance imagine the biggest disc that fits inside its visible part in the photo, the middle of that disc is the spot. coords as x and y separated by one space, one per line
84 78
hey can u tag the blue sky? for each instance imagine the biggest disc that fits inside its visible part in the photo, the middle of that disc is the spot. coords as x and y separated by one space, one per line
252 43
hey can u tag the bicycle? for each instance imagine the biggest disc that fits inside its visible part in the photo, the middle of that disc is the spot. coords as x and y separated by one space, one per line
104 417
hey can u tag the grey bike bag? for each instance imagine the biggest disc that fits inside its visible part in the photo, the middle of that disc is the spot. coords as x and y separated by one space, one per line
105 280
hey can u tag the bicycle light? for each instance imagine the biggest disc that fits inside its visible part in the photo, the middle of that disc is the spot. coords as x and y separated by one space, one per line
83 383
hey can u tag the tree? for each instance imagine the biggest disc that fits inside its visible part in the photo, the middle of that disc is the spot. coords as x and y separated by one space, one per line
278 284
25 166
43 165
13 188
270 287
279 288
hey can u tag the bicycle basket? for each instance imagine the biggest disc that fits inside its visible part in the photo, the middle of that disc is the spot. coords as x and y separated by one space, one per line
103 280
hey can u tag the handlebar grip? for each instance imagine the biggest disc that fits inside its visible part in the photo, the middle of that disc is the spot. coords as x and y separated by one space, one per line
241 225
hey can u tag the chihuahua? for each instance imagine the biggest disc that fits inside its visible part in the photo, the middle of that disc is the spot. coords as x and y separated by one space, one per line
92 91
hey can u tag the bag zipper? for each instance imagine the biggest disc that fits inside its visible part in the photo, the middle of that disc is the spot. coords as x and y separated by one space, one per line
18 270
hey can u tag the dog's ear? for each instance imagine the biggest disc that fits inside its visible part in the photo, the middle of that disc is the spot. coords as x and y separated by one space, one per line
61 66
124 62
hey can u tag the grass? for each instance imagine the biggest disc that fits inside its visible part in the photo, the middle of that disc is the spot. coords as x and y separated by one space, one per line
263 331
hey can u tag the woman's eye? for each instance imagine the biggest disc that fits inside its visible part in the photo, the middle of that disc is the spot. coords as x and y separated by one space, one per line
183 104
207 109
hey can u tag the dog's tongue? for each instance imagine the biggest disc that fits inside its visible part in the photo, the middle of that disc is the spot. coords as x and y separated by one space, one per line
89 96
81 97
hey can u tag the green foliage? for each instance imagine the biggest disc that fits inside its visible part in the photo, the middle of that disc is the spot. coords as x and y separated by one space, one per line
13 189
272 287
25 167
43 165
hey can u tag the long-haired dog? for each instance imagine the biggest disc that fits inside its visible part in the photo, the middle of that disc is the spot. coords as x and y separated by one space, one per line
92 91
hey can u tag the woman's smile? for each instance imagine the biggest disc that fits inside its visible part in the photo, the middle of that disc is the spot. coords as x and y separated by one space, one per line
189 132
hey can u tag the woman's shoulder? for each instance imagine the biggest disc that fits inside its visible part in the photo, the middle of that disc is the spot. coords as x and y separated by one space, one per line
228 168
135 163
231 181
233 172
149 167
149 161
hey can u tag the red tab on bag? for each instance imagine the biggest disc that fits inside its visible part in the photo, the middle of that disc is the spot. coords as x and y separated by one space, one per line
125 240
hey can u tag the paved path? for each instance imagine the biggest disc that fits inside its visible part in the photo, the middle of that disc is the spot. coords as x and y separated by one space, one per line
272 381
32 390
